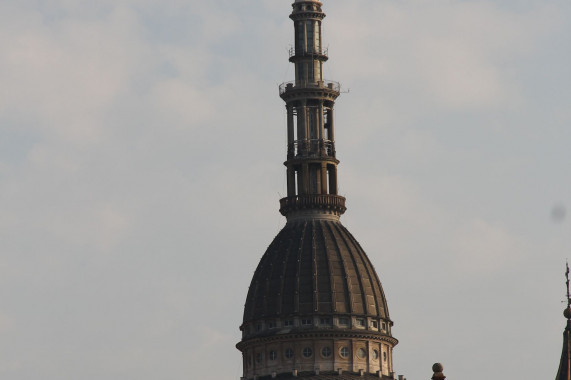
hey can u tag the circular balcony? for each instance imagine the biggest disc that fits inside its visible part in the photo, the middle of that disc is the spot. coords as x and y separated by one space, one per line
298 85
326 202
312 148
316 53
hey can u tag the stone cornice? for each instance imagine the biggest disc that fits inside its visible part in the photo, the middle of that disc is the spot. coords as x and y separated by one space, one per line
307 15
300 335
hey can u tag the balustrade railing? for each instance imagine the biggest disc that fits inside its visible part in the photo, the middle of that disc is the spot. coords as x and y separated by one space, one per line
301 84
311 148
317 51
330 202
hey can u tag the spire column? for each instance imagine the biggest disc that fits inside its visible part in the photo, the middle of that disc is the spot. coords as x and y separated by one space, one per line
324 178
331 122
310 98
290 125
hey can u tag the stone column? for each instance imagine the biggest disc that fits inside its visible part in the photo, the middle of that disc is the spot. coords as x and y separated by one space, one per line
331 124
304 185
290 124
302 121
291 182
333 179
324 178
320 131
300 190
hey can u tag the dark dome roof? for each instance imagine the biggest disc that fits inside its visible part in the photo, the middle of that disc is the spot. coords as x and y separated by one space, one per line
314 266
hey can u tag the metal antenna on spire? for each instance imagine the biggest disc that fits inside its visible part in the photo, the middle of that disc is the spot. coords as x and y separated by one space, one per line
567 277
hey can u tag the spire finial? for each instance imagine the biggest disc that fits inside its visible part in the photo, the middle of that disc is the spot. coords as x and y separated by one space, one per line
567 312
567 277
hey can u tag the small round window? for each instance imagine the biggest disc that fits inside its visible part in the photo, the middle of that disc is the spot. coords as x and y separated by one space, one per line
344 352
361 353
326 352
375 354
307 352
273 355
289 353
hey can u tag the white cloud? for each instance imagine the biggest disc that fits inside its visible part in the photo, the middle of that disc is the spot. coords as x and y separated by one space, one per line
454 56
64 76
481 248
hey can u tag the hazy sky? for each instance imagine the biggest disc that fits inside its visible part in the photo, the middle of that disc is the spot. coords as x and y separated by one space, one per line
141 151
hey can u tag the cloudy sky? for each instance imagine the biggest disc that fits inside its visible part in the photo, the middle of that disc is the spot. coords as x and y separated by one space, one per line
141 150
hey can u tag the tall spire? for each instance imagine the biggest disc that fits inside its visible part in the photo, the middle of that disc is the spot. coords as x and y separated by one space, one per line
310 99
564 372
315 308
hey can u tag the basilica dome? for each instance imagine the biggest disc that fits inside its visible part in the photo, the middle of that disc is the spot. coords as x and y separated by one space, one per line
315 267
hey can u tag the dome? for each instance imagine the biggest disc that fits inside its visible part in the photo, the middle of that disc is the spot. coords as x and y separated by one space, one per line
315 267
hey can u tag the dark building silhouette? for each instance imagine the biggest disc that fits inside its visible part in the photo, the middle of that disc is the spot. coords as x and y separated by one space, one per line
564 372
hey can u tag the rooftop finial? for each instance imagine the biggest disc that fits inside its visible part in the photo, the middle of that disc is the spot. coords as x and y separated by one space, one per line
438 369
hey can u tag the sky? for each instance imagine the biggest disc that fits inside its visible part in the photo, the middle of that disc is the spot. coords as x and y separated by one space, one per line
141 151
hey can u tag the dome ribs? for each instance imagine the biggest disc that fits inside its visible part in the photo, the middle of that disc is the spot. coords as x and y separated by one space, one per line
305 272
385 313
343 300
376 284
291 285
252 298
354 275
324 274
373 308
328 253
314 267
263 279
278 282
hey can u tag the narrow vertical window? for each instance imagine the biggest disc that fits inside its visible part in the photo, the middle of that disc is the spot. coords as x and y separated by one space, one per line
318 36
310 37
300 40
